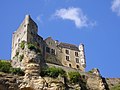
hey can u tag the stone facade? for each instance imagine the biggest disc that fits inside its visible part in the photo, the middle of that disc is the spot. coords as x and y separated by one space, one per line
52 51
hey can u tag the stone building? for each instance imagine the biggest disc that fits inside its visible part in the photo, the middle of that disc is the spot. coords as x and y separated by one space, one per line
52 51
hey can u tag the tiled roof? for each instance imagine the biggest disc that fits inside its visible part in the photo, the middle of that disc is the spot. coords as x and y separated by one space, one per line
69 46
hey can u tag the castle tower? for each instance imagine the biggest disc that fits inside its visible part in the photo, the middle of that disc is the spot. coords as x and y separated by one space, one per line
82 55
26 32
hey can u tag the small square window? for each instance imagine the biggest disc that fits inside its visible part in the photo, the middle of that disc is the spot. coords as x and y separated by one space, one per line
18 39
48 49
24 32
76 54
53 51
67 58
70 65
77 60
67 51
77 66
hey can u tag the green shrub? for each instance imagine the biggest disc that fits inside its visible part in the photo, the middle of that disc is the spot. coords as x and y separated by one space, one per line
17 71
22 44
17 53
21 57
33 47
90 72
5 66
38 50
61 72
74 77
52 72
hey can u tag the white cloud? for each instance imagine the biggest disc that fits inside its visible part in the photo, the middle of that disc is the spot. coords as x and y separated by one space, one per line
76 15
116 6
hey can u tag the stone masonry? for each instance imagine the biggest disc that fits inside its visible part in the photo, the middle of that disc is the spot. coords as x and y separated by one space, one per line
52 51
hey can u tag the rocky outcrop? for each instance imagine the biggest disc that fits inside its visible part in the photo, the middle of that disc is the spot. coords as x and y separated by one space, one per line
95 80
31 64
31 82
112 82
8 82
25 56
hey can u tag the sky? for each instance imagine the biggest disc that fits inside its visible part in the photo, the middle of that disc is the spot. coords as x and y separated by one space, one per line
95 23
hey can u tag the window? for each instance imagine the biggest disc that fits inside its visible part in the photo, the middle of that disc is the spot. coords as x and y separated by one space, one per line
77 66
53 51
70 65
18 39
15 44
77 60
24 32
48 49
38 44
76 54
67 58
31 33
67 51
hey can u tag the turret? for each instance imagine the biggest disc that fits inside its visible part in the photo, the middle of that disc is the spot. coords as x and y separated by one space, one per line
26 32
82 55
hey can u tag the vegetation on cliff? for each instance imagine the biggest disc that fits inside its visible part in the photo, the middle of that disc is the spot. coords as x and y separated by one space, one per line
117 87
52 72
5 66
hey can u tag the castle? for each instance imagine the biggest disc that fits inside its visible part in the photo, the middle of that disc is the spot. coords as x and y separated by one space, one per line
52 51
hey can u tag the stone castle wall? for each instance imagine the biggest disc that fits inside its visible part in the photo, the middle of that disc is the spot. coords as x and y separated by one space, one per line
50 49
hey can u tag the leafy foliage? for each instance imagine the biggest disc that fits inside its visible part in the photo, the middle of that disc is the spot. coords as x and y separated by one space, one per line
90 72
22 44
21 57
33 47
6 67
74 77
17 53
17 71
53 72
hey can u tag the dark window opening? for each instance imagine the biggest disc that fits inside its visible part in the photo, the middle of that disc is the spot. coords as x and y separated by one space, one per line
70 65
24 32
76 54
77 66
67 58
31 33
77 60
53 51
48 49
67 51
38 44
18 39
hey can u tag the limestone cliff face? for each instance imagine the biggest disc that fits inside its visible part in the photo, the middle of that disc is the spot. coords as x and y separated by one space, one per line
32 81
10 82
113 82
31 64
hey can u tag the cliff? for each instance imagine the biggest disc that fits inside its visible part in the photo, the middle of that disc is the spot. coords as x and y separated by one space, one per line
29 82
47 76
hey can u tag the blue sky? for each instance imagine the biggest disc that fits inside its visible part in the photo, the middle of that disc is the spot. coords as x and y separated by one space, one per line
95 23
